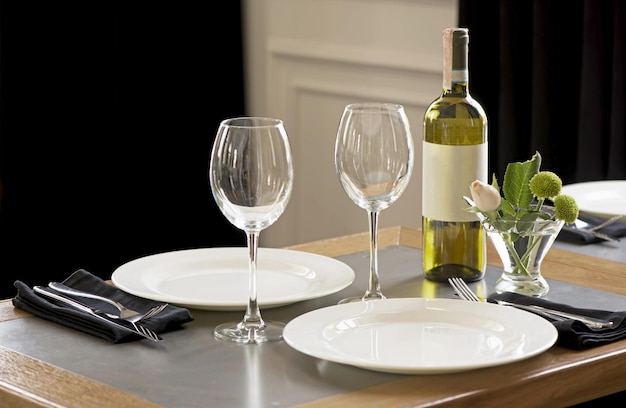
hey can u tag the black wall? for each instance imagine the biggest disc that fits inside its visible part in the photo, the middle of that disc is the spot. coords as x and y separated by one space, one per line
109 110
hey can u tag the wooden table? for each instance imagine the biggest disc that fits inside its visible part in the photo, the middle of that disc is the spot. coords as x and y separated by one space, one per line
558 377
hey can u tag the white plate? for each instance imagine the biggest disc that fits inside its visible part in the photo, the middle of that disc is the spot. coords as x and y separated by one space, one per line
420 336
217 278
601 198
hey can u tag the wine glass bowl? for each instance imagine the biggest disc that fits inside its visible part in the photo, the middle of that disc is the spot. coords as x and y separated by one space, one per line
374 158
251 176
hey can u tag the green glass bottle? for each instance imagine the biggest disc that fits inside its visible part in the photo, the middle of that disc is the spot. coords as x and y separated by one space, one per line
454 154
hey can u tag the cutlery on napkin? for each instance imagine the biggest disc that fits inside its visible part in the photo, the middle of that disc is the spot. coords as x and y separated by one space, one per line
614 230
573 333
171 318
108 318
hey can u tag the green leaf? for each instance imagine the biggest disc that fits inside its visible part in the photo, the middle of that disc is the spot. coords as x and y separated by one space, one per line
507 208
494 182
516 179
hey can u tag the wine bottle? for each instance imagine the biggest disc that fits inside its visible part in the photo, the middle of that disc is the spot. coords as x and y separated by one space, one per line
454 153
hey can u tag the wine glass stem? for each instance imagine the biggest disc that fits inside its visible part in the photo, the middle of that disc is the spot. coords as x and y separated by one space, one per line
252 319
373 291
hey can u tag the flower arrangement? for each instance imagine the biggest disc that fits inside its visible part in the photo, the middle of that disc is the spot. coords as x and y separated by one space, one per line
525 190
522 212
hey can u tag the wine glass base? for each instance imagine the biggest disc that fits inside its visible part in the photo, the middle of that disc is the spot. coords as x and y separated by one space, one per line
238 332
364 298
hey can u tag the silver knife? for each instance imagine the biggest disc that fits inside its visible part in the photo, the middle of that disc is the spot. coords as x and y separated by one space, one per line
590 321
130 326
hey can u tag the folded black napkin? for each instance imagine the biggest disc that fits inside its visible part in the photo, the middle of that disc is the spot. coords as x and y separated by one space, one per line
570 233
573 333
171 318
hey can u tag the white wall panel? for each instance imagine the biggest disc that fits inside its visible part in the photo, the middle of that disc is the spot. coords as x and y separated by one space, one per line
306 60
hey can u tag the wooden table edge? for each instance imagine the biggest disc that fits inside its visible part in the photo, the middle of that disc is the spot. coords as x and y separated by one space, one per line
28 382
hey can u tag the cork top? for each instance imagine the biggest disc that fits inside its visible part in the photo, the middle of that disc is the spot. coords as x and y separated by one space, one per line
455 50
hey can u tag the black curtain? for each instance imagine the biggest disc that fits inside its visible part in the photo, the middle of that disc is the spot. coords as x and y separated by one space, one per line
109 110
551 76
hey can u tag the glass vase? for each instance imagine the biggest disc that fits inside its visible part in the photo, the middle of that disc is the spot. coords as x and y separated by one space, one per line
522 247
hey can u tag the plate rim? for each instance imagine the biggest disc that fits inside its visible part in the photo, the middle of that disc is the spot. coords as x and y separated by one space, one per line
574 189
118 277
293 325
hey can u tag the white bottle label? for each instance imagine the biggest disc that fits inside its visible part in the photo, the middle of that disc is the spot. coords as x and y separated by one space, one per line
448 172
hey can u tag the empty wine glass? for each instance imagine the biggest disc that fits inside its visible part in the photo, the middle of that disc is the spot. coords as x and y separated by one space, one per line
374 161
251 176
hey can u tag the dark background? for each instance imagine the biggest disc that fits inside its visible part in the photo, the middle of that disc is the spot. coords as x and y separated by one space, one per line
108 113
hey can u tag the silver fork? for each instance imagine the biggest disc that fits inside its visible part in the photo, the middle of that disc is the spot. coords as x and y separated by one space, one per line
608 222
143 316
125 313
586 228
461 289
465 293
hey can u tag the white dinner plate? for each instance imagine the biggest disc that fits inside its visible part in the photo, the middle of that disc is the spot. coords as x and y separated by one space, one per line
601 198
217 278
420 336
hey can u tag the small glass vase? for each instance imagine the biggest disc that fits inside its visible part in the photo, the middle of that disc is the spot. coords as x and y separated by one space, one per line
522 246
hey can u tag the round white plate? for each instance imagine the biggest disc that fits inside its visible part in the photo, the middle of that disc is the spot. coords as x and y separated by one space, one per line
420 336
601 198
217 278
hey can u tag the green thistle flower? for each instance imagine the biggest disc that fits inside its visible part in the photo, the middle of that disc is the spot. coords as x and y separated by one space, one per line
565 208
545 184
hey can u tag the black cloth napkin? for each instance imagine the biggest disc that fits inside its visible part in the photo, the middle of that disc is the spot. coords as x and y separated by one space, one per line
570 233
171 318
573 333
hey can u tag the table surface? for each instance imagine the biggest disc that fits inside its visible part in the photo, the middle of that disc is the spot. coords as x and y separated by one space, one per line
35 374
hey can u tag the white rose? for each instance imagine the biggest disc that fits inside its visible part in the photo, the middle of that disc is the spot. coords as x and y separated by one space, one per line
486 197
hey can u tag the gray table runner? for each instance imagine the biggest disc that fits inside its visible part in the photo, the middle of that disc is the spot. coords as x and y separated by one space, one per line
613 251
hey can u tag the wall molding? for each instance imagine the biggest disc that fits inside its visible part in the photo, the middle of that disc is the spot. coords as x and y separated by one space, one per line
355 55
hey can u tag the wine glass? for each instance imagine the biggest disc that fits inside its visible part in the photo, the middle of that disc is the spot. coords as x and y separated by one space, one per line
374 161
251 175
